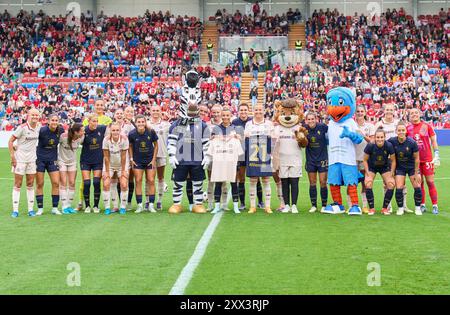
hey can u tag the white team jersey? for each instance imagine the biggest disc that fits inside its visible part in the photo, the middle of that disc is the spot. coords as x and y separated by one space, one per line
366 130
341 150
225 155
389 128
286 146
115 149
66 154
126 128
162 130
27 140
265 128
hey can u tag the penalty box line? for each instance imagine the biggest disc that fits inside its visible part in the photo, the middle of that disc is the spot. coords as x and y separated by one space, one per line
188 271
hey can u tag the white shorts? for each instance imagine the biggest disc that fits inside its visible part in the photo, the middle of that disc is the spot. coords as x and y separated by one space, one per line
63 167
290 171
113 170
25 168
161 161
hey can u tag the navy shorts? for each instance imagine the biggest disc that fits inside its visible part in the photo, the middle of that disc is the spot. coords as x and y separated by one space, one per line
316 166
241 164
191 172
91 166
405 171
49 166
143 166
380 170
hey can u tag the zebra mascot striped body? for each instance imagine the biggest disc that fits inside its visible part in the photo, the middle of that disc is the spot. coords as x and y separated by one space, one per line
188 142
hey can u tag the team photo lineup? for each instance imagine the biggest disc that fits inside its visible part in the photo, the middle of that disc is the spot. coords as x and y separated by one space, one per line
202 147
119 154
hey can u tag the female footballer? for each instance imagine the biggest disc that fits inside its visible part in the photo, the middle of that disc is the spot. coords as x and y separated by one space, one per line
91 161
408 163
379 157
161 128
316 159
115 167
258 156
47 160
143 151
23 159
67 162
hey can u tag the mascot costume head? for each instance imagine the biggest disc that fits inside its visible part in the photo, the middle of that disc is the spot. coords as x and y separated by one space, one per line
187 144
343 135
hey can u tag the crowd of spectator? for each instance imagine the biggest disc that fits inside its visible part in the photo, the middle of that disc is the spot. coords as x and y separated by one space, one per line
390 59
258 23
156 44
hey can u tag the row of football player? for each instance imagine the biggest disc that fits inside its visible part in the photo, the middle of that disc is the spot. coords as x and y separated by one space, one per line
131 141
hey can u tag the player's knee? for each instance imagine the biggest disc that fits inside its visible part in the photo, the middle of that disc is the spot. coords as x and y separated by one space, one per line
368 183
390 185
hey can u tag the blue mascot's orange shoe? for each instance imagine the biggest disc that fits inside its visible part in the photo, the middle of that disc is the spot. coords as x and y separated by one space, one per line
354 210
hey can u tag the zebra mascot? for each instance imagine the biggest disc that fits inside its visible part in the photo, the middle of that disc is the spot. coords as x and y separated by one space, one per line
188 142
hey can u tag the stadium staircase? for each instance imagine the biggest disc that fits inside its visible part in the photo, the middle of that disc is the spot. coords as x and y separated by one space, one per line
247 77
210 32
296 32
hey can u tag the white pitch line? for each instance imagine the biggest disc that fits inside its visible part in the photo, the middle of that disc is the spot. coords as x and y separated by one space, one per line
188 271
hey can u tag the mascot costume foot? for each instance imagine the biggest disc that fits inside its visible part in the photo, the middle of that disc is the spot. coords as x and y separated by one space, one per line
343 136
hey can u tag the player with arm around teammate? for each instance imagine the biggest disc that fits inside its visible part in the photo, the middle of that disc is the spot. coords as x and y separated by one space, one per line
408 163
115 166
47 160
161 128
143 151
379 157
67 162
23 160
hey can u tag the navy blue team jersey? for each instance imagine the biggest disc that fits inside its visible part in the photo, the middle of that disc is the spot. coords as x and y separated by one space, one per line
404 154
240 128
143 145
379 157
317 151
92 150
258 150
47 148
190 140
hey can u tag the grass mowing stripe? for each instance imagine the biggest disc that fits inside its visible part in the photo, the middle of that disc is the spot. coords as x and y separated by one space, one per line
188 271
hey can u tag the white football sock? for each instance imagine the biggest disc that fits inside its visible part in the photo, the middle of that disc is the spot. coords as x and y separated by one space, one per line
280 194
114 194
16 199
268 194
70 195
160 190
252 194
123 199
106 199
30 198
63 197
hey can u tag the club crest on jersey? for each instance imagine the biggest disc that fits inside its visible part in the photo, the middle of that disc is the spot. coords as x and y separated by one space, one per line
51 142
94 140
143 144
313 139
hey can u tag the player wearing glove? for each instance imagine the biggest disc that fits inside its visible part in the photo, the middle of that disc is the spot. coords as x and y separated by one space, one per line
425 137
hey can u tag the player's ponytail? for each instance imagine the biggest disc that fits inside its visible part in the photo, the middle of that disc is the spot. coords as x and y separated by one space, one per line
76 127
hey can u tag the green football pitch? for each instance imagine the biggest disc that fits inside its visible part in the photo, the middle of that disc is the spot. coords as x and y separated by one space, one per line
247 254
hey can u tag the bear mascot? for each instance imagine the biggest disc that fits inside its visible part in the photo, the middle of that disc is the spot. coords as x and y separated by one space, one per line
290 137
342 138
